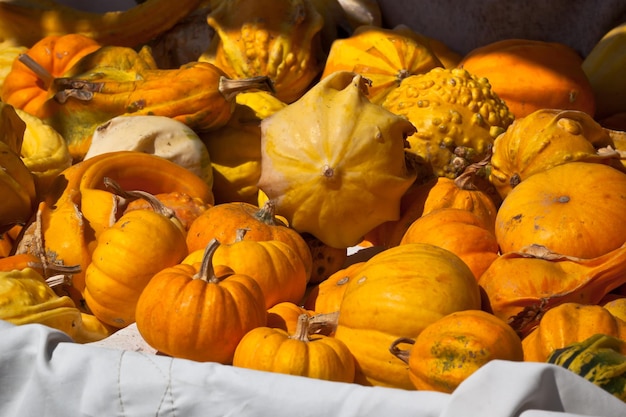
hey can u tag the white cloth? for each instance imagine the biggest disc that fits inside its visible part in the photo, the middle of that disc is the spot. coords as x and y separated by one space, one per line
43 373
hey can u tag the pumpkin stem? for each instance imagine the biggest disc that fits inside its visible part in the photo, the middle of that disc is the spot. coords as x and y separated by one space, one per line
323 323
465 181
229 88
402 354
302 328
266 214
41 73
207 272
154 202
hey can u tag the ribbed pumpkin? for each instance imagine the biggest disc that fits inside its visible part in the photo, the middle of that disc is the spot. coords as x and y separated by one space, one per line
598 360
397 293
451 349
532 74
543 139
570 323
199 312
572 209
285 315
298 353
326 296
383 56
222 222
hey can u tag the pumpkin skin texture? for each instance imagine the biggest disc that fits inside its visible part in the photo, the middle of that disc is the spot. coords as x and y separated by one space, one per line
281 42
397 293
570 323
572 209
326 259
326 296
314 356
384 56
284 315
275 265
530 75
199 312
459 231
452 348
543 139
319 176
457 116
126 257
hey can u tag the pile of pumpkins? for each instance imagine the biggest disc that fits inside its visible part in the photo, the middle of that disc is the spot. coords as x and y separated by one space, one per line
218 204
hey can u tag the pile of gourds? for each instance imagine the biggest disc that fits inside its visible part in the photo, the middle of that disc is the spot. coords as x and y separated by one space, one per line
214 204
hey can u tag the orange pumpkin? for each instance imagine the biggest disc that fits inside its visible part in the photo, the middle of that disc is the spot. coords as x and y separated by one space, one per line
326 296
570 323
299 353
461 232
223 220
451 349
573 209
199 312
284 315
531 74
326 259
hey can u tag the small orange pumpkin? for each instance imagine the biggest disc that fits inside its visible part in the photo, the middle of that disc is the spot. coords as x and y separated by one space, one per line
314 356
326 296
284 315
570 323
199 312
531 74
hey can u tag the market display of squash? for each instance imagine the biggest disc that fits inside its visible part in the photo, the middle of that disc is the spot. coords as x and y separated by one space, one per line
317 195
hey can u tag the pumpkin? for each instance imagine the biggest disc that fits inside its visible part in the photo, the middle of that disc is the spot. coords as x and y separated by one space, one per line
397 293
199 312
519 287
285 315
570 208
543 139
299 353
326 296
26 297
569 323
533 74
335 175
383 56
617 305
126 257
466 192
452 348
603 66
459 231
222 221
457 116
326 259
281 42
276 266
598 359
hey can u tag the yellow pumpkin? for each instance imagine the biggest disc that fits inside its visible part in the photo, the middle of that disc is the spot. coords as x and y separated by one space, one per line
398 293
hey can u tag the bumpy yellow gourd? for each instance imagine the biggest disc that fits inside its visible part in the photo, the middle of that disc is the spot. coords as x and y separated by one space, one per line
334 163
457 116
25 297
